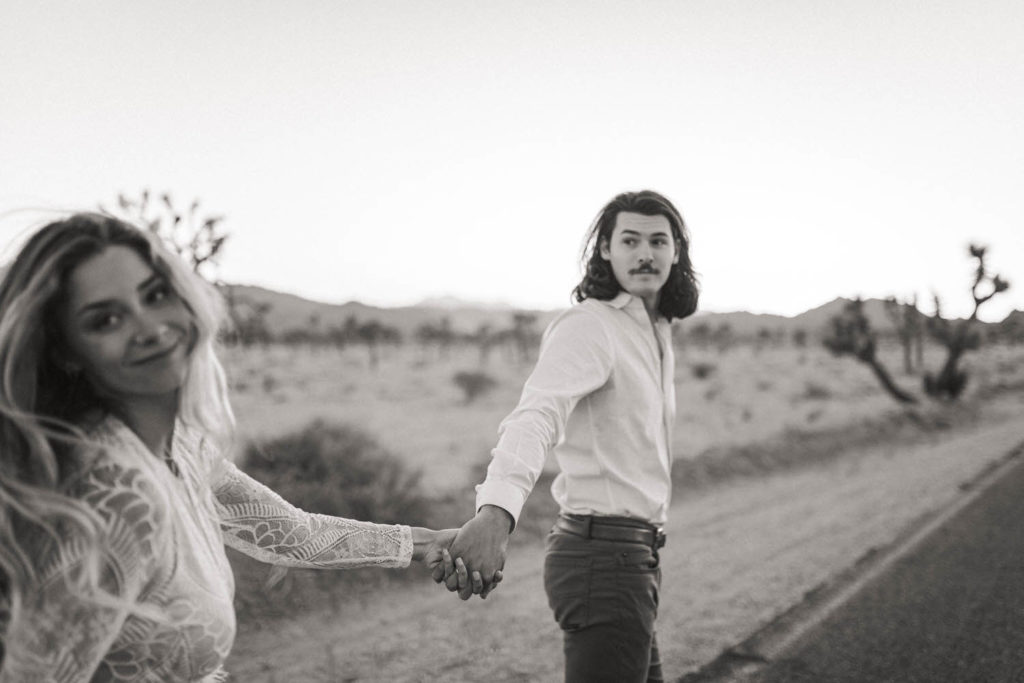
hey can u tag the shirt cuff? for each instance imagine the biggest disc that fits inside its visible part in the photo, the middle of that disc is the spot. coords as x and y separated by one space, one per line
508 497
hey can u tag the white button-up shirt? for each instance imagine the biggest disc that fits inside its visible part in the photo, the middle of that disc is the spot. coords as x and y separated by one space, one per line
602 397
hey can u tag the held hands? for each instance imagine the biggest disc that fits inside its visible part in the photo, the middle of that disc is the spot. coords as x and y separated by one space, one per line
431 548
479 548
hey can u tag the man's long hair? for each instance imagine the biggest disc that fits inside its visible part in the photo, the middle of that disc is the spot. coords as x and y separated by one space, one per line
679 294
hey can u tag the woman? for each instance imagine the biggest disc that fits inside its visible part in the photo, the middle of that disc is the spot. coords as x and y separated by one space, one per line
115 502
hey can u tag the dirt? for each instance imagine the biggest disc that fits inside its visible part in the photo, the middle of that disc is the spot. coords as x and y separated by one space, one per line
738 555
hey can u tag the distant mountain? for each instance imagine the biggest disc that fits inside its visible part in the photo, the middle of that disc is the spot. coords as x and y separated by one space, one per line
452 303
817 319
742 323
1014 318
288 312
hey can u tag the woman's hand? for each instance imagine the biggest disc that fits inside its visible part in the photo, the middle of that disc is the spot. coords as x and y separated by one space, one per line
428 545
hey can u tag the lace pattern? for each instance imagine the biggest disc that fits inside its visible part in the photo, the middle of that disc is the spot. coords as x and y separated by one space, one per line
259 523
174 617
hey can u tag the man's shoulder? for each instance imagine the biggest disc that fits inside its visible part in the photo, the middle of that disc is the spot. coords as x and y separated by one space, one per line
591 320
588 311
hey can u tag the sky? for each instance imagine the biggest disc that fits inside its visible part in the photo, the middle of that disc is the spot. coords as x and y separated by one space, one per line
390 152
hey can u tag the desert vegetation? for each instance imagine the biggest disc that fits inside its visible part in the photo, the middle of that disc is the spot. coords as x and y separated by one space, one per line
404 442
852 334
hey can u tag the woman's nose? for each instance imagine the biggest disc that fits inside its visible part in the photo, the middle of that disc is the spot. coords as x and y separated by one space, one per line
150 331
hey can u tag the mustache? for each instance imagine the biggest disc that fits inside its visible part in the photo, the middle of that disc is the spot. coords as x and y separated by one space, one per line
645 269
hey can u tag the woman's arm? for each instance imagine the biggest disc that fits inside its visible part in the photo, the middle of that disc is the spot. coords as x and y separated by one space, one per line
259 523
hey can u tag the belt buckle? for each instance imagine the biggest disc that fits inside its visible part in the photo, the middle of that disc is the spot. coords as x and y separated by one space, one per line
659 539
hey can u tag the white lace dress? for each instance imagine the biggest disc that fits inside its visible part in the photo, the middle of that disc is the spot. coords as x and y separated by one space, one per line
167 557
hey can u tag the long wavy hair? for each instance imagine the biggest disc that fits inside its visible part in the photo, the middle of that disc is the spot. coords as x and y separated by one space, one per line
680 292
43 442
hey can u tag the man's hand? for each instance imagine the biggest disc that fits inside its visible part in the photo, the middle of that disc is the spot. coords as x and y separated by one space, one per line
480 544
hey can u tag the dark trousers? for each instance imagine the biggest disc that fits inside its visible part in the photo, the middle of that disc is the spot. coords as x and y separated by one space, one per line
605 598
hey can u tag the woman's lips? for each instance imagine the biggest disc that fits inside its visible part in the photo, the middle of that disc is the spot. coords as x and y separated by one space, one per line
159 355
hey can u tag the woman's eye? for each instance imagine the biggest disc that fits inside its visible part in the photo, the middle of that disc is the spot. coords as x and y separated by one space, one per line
105 322
158 294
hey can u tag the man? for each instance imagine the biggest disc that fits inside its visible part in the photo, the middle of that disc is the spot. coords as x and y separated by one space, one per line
602 398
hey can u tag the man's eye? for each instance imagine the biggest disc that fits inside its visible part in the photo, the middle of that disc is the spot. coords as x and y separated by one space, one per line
629 241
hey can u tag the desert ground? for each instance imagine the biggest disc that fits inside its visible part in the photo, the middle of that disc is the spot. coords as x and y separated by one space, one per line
744 544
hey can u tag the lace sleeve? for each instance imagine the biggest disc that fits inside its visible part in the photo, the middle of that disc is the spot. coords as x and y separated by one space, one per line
61 634
258 522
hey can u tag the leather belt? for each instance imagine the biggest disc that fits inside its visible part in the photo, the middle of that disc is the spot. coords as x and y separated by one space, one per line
612 529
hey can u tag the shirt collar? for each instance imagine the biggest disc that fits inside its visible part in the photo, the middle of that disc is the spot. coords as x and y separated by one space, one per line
626 301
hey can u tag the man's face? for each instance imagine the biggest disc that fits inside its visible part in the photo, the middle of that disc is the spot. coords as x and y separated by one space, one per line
641 252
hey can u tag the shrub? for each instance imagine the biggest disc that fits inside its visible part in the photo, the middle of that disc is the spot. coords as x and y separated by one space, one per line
703 370
473 384
339 470
335 470
816 392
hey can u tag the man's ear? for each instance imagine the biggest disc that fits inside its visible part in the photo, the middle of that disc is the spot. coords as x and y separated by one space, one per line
604 249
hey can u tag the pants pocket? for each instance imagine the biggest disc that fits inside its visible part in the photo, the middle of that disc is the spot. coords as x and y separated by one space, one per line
567 581
646 559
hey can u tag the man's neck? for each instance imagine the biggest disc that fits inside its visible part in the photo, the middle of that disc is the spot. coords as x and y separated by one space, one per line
651 306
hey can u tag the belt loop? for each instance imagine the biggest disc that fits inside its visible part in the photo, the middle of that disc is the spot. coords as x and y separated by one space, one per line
588 525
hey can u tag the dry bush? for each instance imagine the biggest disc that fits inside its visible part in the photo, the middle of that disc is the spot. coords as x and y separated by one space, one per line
339 470
335 470
703 370
473 384
816 392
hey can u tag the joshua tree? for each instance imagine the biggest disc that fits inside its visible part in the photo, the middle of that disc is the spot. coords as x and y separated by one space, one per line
959 337
371 334
196 238
525 335
485 339
248 319
440 334
907 321
850 334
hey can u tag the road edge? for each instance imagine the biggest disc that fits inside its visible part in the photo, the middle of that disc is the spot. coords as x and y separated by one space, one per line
744 660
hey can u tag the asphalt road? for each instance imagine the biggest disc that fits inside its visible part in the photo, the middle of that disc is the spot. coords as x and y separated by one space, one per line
952 609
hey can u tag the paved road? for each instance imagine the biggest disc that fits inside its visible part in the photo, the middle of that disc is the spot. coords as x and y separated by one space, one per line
950 610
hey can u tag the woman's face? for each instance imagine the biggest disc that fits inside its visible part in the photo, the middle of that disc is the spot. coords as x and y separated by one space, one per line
125 328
